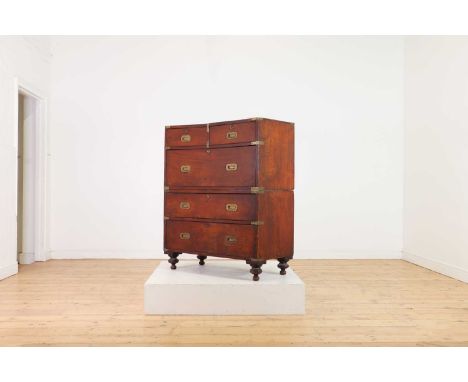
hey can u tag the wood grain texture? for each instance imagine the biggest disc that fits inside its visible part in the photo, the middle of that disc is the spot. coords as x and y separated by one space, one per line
276 235
229 133
198 136
208 167
276 155
214 239
349 303
211 206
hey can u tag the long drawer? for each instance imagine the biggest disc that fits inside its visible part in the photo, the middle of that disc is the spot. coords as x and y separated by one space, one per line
211 206
216 167
230 240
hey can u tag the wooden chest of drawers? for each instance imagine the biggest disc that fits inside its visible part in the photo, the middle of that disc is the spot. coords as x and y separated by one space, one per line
229 191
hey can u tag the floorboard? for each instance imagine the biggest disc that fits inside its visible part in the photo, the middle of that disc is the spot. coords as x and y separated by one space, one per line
349 303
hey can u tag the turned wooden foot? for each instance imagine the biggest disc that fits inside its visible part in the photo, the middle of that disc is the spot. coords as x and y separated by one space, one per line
255 267
202 259
173 260
283 265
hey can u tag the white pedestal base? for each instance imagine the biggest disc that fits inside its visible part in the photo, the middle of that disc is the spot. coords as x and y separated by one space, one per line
223 287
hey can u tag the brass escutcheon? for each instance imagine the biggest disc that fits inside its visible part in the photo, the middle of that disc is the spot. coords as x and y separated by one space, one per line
231 167
231 207
231 135
230 240
185 168
185 138
184 235
184 205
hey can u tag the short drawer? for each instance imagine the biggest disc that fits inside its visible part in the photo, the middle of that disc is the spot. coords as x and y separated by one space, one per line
217 167
211 206
243 132
211 238
186 136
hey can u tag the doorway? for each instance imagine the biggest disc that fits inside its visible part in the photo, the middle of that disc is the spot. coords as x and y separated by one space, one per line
31 160
27 125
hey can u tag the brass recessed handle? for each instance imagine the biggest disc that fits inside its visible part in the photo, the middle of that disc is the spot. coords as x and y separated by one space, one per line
231 135
184 205
229 240
184 235
231 167
231 207
185 168
185 138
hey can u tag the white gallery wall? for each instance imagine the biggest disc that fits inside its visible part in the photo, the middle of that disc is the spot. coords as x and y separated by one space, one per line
112 96
436 154
26 59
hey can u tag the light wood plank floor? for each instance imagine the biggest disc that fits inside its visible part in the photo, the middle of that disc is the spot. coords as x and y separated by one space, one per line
349 302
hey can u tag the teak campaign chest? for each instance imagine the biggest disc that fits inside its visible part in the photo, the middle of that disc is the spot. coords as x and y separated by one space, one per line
229 191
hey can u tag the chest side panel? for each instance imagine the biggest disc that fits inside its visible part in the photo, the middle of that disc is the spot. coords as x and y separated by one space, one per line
276 234
276 155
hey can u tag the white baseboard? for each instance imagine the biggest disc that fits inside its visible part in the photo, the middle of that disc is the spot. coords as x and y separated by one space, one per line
158 254
93 254
26 258
8 271
437 266
348 255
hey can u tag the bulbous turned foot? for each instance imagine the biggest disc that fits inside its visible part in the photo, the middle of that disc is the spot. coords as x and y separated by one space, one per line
173 260
255 268
283 265
202 259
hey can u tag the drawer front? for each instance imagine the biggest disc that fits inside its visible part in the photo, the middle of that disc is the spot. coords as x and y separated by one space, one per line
233 133
187 136
211 206
230 240
220 167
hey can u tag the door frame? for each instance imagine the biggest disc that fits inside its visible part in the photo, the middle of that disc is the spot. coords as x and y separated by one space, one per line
41 243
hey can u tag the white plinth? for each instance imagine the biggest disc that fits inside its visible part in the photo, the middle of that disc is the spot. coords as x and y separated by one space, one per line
223 287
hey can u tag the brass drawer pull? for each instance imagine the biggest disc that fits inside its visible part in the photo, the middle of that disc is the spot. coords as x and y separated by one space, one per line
184 236
185 138
231 207
231 167
184 205
231 135
229 240
185 168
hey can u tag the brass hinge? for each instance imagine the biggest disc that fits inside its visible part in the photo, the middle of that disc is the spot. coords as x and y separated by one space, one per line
168 127
257 222
257 190
168 147
166 218
256 119
207 127
166 188
257 143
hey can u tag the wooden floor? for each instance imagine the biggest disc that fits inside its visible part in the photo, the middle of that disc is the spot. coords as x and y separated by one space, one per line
349 302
